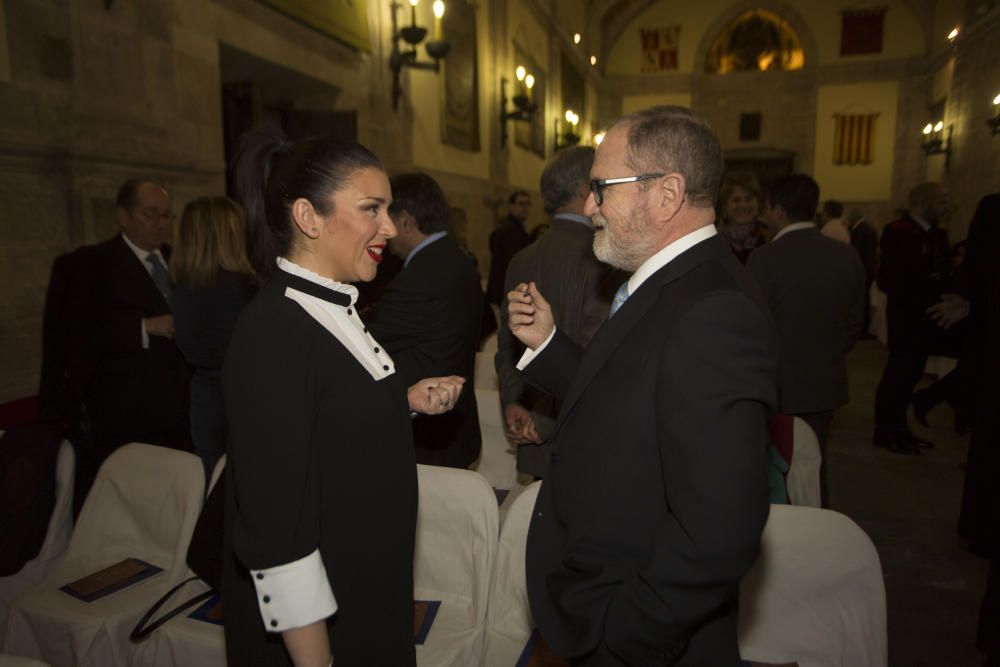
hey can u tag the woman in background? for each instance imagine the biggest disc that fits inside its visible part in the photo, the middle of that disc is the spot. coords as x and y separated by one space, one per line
739 206
212 280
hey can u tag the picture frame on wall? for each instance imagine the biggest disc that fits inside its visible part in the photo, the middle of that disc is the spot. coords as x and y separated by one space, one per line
460 79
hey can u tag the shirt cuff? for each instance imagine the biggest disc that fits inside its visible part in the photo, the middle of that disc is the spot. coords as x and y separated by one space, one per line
145 336
529 354
295 594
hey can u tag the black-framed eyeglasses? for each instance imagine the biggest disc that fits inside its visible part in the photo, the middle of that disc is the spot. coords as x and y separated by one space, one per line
598 184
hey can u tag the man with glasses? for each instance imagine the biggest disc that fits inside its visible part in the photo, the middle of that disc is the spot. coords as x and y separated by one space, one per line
656 493
137 380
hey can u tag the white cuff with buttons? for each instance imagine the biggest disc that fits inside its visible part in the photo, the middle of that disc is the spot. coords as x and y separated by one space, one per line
295 594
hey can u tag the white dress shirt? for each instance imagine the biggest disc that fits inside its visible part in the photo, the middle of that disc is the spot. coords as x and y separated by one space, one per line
297 594
663 257
143 255
423 244
795 226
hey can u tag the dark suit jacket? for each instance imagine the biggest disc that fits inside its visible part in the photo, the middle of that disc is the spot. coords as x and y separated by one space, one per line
135 394
429 319
815 286
580 289
865 242
505 241
657 495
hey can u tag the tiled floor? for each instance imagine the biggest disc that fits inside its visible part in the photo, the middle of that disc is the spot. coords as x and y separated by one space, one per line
909 507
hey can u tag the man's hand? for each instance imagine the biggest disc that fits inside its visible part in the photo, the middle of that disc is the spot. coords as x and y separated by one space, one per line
521 428
950 311
162 325
530 315
435 396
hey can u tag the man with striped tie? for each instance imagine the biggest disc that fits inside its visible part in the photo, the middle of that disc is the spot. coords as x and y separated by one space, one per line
656 493
137 380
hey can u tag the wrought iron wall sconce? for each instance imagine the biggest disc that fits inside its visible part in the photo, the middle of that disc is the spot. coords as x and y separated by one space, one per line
524 108
414 35
569 136
994 122
936 142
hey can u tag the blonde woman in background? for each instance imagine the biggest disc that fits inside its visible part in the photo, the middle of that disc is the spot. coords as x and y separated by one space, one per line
212 280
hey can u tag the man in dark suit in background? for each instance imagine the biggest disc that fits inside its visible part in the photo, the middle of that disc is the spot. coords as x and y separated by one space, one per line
138 389
429 317
508 237
815 287
912 272
579 288
865 242
656 496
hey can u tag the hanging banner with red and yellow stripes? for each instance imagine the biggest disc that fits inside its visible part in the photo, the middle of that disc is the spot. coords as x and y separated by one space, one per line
854 138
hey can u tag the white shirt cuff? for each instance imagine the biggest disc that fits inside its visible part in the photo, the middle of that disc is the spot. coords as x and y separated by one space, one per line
295 594
528 355
145 336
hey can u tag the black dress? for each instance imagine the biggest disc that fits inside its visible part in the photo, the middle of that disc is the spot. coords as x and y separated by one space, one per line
320 457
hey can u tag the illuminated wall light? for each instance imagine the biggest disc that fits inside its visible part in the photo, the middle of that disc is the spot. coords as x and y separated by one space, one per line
529 81
598 138
996 100
593 60
953 34
577 37
939 126
928 128
520 72
438 9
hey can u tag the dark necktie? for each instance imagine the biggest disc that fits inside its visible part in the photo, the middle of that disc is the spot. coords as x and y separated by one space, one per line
160 276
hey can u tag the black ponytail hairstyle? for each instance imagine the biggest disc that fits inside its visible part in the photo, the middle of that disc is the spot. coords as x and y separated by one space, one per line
271 172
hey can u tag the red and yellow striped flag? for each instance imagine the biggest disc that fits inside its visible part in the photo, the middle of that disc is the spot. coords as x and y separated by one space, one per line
854 138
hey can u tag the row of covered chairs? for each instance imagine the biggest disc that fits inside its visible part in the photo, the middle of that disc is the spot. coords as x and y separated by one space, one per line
469 576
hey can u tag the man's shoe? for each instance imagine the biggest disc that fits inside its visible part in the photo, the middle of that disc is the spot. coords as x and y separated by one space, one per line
911 439
896 445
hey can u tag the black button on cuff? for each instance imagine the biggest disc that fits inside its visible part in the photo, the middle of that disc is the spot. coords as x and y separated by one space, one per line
376 350
385 368
350 312
274 623
260 576
267 598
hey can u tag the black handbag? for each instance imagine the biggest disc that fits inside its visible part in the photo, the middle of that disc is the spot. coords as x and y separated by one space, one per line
204 557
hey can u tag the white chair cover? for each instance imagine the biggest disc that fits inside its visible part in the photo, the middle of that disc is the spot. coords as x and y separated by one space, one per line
815 595
486 372
183 640
457 533
144 504
508 622
802 480
17 661
498 460
56 537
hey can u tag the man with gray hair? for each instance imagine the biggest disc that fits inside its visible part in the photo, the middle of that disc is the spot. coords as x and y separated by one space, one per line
656 493
579 287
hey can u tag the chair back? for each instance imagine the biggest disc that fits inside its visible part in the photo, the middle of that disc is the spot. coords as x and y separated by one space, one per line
457 533
815 595
144 504
508 622
803 480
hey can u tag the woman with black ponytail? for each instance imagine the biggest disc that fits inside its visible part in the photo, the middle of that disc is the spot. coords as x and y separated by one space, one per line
321 477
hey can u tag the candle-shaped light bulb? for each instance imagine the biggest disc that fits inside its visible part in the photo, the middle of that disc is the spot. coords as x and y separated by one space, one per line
438 14
577 37
529 81
928 128
593 60
520 72
953 34
938 126
996 100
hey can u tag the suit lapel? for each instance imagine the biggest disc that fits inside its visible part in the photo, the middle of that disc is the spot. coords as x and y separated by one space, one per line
612 332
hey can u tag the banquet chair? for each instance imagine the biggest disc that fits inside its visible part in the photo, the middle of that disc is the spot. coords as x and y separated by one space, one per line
19 661
457 533
498 460
508 620
803 480
184 640
143 504
56 537
486 373
815 596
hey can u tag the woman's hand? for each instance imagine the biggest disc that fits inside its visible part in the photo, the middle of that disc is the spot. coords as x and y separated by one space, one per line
435 396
